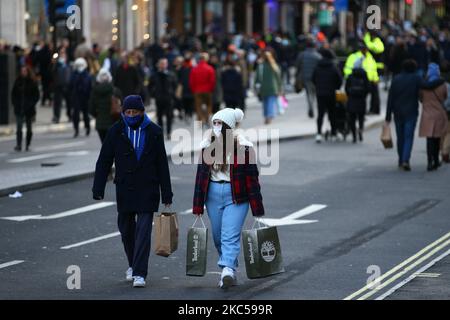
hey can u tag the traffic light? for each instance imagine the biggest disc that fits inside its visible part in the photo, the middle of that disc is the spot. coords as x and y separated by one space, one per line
56 11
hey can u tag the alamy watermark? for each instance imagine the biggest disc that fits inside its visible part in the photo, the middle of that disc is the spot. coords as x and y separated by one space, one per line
373 21
74 19
74 280
374 281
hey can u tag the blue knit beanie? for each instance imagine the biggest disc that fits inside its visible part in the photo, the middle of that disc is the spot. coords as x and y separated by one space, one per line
433 72
133 102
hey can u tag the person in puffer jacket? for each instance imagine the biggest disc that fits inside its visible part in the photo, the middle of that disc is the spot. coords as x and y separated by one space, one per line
227 183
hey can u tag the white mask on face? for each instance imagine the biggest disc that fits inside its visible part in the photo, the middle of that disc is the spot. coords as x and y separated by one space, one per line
217 129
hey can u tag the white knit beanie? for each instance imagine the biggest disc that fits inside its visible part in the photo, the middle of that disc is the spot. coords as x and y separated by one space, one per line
229 116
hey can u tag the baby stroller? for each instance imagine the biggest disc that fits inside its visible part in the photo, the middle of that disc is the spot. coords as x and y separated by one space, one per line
339 117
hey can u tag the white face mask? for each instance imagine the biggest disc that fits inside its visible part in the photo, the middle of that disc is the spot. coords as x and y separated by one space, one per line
217 129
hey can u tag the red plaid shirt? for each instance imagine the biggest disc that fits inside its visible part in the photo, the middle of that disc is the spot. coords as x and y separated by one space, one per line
244 183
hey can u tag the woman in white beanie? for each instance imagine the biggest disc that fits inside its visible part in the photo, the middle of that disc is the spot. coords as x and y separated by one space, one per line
227 183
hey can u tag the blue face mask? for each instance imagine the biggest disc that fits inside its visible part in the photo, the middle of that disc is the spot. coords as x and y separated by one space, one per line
133 121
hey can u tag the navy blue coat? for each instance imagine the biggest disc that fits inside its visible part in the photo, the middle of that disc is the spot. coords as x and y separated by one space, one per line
403 99
139 184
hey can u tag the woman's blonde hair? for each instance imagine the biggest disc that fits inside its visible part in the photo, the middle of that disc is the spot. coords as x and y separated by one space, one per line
269 58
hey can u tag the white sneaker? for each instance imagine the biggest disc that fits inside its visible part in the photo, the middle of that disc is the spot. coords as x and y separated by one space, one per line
228 278
139 282
318 138
129 275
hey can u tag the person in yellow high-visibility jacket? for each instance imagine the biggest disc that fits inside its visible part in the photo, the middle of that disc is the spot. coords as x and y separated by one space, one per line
376 47
370 66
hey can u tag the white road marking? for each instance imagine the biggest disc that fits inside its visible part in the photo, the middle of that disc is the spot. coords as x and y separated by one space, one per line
79 244
64 214
186 212
49 155
291 219
404 265
59 146
11 263
420 271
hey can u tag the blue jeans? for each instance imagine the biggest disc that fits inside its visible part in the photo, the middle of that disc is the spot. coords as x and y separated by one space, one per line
270 106
227 220
405 129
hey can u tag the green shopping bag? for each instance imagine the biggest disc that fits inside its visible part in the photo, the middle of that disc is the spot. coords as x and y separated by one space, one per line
197 245
262 252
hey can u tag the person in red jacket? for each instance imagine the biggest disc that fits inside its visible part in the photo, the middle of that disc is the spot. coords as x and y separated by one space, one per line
202 82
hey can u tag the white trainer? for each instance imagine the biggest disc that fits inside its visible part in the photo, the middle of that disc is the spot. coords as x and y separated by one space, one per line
139 282
318 138
228 278
129 274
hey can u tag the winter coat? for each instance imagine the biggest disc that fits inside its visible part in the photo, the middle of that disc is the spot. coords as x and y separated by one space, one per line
357 88
244 179
202 78
183 79
326 78
232 85
80 89
100 104
268 80
140 184
433 122
162 86
25 96
403 99
61 76
306 63
127 79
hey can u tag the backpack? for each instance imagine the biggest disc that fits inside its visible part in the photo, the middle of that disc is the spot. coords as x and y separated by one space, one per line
357 87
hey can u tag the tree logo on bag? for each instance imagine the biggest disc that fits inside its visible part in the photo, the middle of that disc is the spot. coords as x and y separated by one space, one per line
268 251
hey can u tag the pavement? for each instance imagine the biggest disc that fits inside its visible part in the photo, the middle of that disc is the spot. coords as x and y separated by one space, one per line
56 157
356 216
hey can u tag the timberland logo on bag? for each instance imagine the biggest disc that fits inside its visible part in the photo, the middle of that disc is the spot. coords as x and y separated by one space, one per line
268 251
250 250
195 251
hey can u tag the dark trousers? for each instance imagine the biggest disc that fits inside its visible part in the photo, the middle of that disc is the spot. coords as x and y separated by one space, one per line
59 95
433 147
374 98
188 106
165 108
405 129
76 117
326 104
136 232
353 117
46 89
19 134
102 134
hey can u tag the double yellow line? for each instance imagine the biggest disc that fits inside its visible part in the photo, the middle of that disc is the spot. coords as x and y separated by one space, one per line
375 286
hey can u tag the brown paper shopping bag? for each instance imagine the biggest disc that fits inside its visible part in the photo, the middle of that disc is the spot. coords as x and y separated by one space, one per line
166 233
386 136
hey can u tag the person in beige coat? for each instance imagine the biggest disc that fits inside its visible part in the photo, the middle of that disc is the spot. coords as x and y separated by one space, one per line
433 123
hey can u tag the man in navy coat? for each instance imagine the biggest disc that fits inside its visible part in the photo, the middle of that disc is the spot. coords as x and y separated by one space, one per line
142 178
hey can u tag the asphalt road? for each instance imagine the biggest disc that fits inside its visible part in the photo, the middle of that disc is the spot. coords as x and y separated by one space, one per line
376 217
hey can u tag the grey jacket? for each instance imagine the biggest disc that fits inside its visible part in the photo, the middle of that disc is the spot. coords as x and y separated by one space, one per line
306 63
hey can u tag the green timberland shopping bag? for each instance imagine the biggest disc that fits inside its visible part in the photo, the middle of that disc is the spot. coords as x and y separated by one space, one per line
262 252
197 245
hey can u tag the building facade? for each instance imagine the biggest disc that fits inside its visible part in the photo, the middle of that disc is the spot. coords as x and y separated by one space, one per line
130 22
